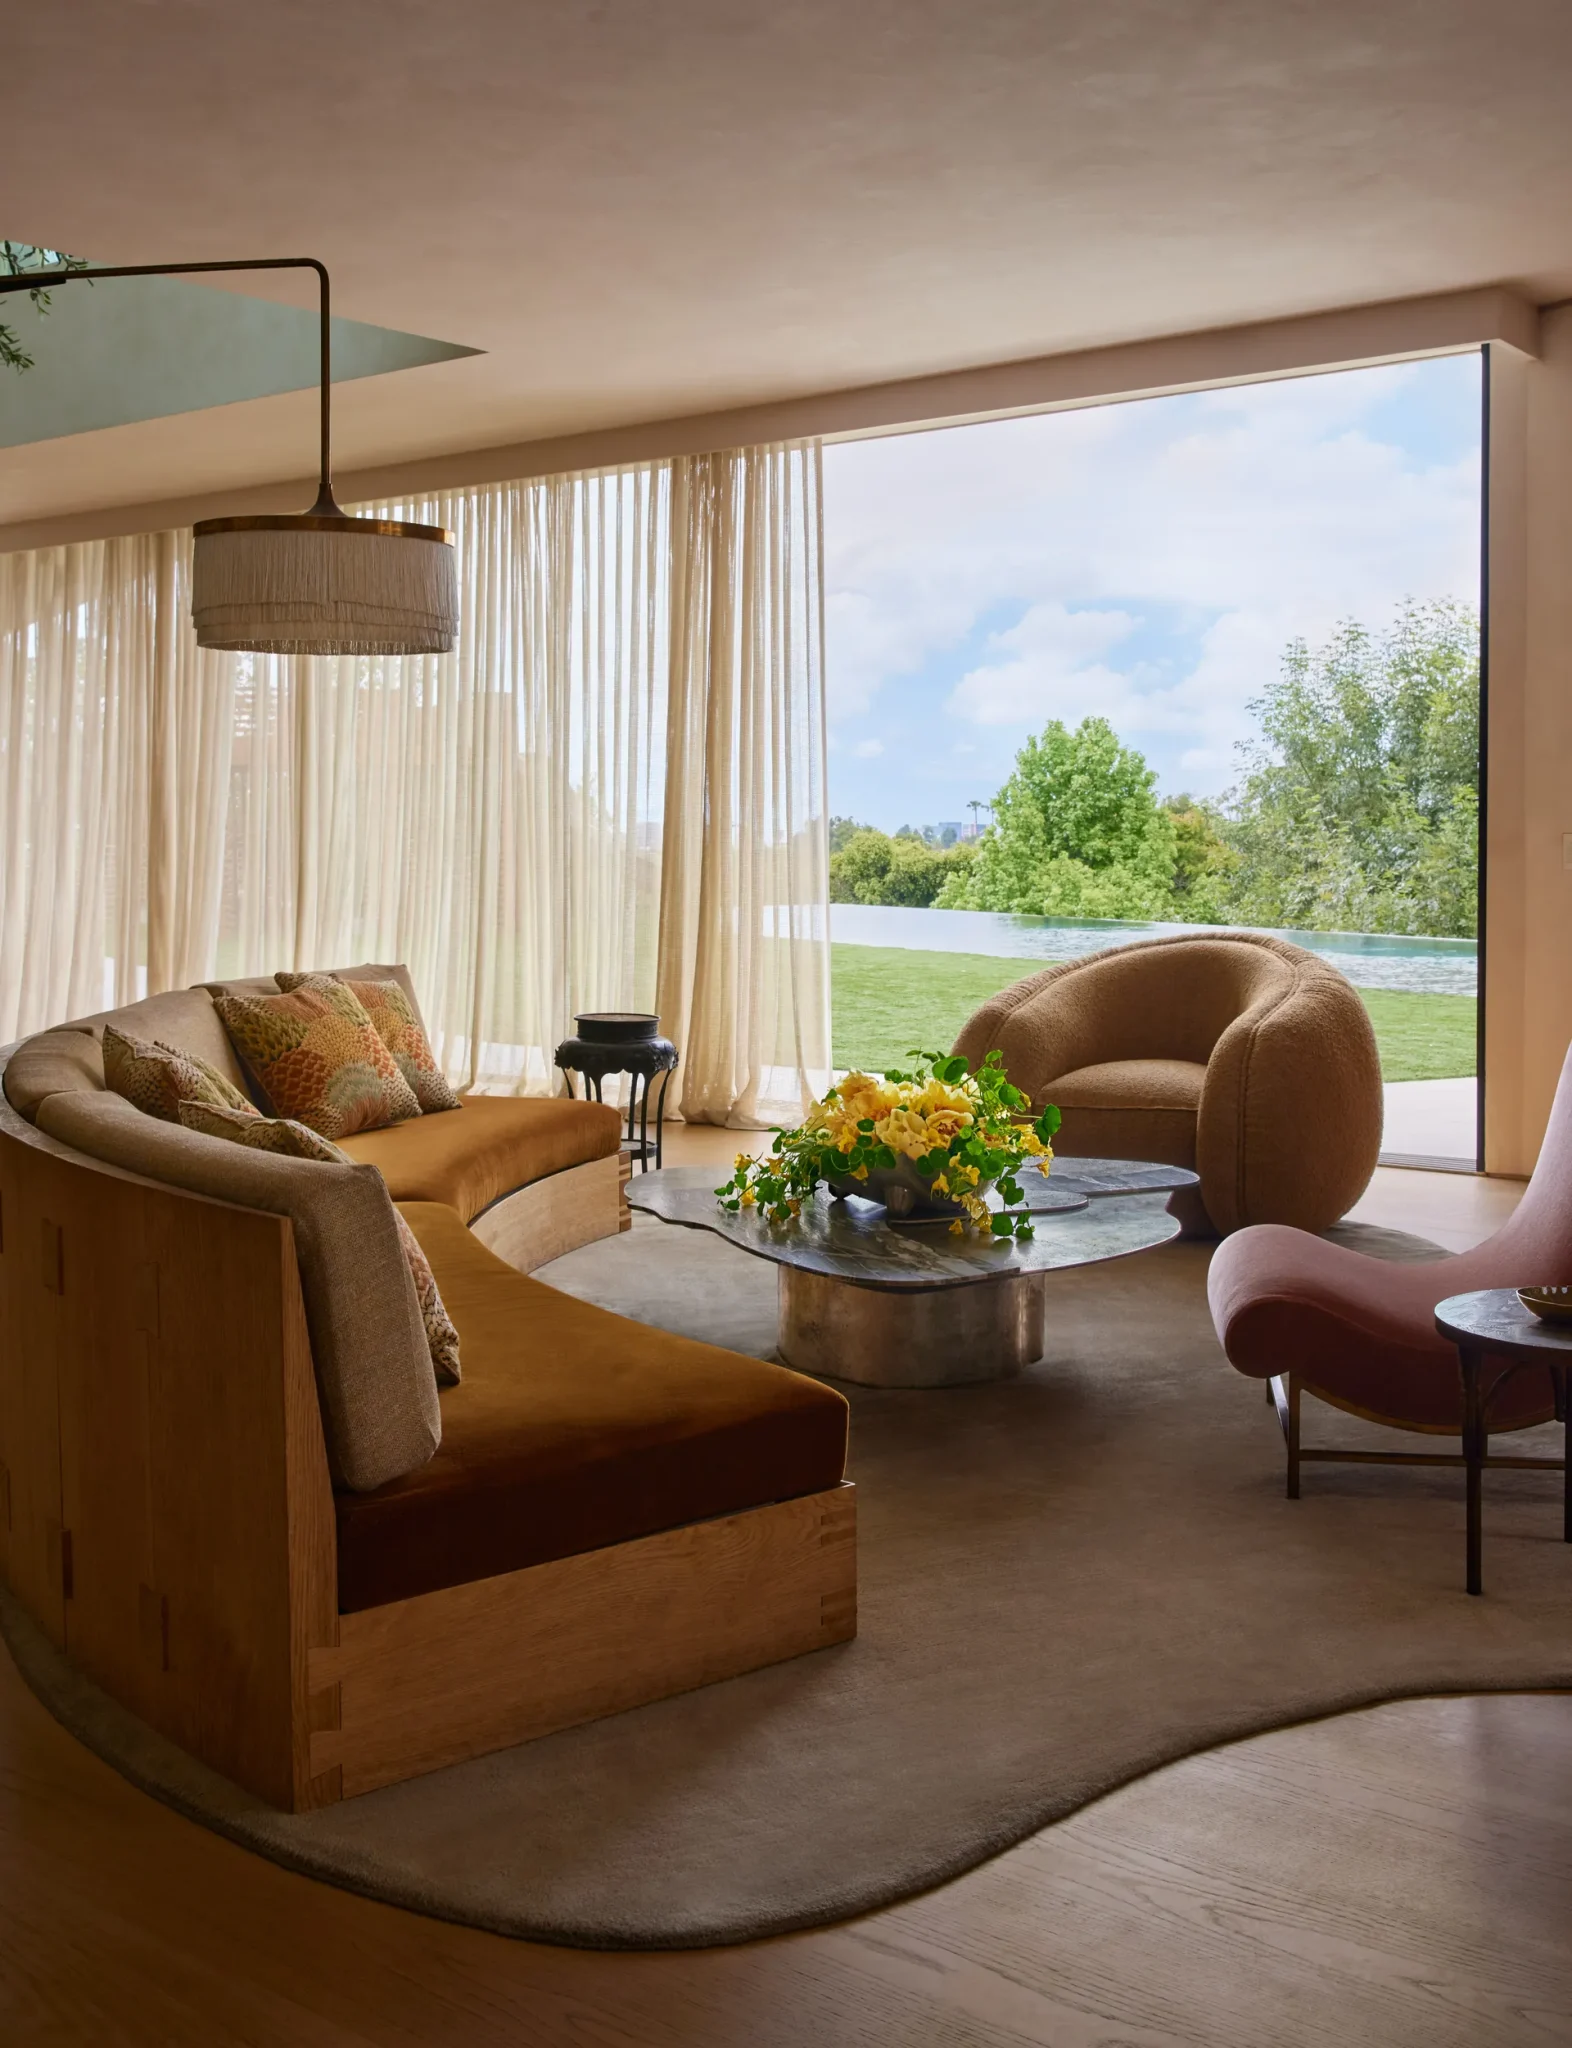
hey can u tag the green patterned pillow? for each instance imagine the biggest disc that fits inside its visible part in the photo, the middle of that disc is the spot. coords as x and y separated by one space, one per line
400 1030
317 1058
158 1077
298 1141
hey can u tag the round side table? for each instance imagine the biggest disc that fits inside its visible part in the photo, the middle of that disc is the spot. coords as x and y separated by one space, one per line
623 1042
1492 1323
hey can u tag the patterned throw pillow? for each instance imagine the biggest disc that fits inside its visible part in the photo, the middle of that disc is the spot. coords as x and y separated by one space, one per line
317 1058
158 1077
400 1030
297 1141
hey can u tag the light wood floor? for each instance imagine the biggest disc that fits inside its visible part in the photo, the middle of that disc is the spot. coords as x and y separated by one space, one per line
1402 1876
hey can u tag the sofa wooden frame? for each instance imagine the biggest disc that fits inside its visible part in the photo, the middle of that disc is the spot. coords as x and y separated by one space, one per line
166 1516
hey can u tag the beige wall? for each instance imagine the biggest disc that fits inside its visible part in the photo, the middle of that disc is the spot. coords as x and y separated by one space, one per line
1528 906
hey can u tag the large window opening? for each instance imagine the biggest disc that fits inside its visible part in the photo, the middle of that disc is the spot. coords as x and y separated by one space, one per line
1202 660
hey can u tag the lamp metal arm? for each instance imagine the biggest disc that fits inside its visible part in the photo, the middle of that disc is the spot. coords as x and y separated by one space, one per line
326 505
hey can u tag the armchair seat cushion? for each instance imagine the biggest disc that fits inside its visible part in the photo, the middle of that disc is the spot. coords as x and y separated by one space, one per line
1133 1084
1129 1109
574 1429
472 1156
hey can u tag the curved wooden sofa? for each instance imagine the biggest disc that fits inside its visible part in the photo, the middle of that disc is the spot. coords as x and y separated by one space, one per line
1237 1054
601 1515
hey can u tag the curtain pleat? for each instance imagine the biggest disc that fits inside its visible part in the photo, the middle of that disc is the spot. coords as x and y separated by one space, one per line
610 795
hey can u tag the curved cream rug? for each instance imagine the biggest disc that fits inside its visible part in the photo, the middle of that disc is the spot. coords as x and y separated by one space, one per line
1065 1580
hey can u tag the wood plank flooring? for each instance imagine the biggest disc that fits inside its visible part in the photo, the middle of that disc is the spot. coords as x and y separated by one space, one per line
1401 1876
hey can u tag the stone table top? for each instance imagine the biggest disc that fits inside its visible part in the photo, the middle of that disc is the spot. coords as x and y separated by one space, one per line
856 1240
1102 1179
1494 1319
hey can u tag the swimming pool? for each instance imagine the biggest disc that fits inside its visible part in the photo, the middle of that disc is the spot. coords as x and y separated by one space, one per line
1369 959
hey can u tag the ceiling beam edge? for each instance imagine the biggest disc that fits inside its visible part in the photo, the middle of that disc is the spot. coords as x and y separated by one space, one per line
1347 338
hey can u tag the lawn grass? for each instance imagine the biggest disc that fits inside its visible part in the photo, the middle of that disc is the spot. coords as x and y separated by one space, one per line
885 1000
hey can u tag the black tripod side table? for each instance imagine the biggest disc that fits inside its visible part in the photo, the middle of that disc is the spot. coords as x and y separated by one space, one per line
623 1042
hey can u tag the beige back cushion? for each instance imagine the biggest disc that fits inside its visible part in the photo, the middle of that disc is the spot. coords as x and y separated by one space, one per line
265 985
52 1062
368 1342
180 1016
68 1059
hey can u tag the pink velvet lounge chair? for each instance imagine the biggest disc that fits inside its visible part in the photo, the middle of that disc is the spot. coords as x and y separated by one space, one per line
1359 1333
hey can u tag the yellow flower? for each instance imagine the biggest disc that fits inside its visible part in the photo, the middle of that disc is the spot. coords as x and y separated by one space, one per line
859 1173
957 1228
941 1186
905 1131
943 1127
794 1204
749 1198
742 1162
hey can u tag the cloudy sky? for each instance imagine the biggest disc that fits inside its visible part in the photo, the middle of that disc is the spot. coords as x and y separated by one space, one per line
1148 562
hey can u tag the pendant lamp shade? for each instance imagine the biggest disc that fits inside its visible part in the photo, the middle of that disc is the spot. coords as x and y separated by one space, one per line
316 582
312 584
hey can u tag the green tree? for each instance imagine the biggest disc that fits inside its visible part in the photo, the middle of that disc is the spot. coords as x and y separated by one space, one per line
1076 831
842 830
871 867
16 260
1203 860
1359 808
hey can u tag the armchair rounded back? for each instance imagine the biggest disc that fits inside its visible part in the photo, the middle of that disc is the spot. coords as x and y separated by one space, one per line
1288 1119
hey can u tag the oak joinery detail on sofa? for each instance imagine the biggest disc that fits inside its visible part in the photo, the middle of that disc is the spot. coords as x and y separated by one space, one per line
540 1222
478 1667
180 1467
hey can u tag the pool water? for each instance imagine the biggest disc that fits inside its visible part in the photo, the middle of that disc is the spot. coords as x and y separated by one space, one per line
1369 959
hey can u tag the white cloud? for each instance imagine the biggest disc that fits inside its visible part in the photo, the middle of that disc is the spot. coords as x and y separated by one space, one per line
1047 670
1254 515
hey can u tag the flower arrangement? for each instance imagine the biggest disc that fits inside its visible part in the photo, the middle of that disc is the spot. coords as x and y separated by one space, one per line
938 1137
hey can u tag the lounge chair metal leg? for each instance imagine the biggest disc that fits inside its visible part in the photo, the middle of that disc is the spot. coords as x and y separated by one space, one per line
1283 1391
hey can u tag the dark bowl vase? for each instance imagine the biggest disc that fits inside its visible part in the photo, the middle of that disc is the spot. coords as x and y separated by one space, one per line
903 1191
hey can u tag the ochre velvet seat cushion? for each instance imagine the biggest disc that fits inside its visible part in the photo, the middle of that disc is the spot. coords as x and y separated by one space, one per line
469 1158
574 1428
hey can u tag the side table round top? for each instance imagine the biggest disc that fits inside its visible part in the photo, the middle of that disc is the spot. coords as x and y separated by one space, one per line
1493 1319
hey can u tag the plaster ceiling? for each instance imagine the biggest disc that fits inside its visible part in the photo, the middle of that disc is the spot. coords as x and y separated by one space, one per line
647 208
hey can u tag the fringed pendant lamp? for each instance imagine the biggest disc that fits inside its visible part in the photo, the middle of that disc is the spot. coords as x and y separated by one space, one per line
316 582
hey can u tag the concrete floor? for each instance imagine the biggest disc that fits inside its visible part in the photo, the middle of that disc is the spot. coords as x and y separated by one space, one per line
1430 1119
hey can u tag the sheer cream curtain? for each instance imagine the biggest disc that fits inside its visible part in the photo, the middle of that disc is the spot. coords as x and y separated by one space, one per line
610 795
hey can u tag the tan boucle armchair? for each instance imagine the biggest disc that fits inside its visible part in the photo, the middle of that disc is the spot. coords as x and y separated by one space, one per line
1242 1056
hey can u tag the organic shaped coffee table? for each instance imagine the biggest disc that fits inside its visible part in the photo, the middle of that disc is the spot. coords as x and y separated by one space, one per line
903 1303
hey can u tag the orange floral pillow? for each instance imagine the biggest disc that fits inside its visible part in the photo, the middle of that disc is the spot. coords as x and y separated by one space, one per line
159 1077
400 1030
317 1058
296 1141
